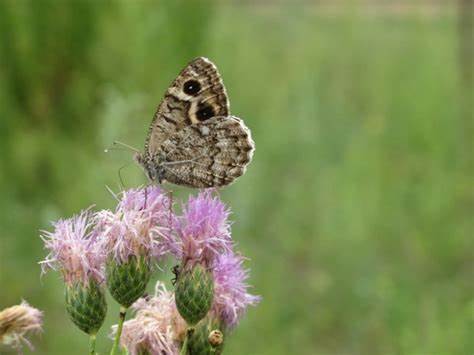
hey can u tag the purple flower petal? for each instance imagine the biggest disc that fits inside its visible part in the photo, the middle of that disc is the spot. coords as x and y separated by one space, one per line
139 226
157 326
73 250
203 230
231 298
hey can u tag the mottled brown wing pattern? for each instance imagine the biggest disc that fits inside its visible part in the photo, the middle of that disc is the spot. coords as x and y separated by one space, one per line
212 153
197 94
192 140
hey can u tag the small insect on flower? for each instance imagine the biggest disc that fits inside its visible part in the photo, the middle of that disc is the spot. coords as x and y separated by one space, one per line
176 270
16 322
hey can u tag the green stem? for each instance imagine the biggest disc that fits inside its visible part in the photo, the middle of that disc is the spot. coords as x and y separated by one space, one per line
92 344
184 349
123 312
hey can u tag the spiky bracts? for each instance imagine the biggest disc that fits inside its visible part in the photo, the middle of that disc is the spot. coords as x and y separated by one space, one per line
127 281
86 306
194 293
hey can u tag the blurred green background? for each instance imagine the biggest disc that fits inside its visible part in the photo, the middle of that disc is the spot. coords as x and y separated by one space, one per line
357 211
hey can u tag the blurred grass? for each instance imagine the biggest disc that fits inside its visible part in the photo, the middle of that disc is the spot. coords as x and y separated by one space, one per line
357 210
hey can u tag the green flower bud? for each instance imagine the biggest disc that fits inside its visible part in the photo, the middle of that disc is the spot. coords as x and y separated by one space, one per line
86 306
194 294
206 339
127 281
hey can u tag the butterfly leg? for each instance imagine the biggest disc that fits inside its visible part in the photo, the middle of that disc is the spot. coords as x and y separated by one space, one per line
170 220
146 196
122 184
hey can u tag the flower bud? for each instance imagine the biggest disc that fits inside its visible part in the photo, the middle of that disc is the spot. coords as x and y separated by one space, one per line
206 339
86 305
194 293
127 281
216 338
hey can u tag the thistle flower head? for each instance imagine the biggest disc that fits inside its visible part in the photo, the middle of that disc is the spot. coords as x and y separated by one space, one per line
73 250
231 298
157 327
136 228
203 230
16 322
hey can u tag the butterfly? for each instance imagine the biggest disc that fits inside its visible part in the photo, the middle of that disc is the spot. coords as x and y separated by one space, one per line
193 139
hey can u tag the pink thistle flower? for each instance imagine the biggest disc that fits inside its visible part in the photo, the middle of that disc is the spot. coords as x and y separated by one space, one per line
203 230
137 227
157 327
16 322
73 250
231 298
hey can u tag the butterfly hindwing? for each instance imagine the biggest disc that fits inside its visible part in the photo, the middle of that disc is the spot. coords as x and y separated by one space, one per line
212 153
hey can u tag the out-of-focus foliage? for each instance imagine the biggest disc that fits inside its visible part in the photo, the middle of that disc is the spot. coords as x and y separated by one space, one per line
357 210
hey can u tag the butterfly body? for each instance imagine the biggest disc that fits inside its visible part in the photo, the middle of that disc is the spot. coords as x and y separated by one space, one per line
193 140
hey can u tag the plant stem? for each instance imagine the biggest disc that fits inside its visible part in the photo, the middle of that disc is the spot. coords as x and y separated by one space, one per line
92 344
123 312
184 349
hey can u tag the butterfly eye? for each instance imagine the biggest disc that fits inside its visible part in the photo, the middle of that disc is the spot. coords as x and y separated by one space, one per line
205 112
191 87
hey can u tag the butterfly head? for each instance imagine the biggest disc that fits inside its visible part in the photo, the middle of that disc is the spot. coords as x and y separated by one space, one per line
153 171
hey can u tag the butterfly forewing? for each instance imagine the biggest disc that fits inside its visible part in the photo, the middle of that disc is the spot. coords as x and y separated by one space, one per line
195 95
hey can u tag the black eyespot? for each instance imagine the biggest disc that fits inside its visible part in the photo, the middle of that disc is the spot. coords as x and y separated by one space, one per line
191 87
205 112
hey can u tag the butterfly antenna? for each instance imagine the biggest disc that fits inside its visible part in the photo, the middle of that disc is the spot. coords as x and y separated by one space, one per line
107 150
123 145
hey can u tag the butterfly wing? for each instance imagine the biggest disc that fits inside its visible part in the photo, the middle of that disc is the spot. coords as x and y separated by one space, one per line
208 154
196 95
